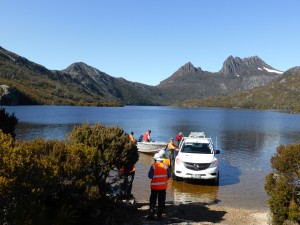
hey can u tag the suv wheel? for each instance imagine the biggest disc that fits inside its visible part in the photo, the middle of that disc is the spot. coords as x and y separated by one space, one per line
174 177
216 180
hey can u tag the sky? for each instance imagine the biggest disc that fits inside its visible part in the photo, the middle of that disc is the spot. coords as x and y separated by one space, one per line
147 41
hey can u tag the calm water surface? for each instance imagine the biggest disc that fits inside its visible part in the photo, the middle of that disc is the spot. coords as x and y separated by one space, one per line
247 140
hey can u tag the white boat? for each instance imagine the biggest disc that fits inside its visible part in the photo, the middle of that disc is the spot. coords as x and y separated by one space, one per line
151 147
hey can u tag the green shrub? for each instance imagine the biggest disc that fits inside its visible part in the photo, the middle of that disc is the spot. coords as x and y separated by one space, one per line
111 150
57 182
283 185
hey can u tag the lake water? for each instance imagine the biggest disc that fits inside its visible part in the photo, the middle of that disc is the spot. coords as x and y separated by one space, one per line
247 140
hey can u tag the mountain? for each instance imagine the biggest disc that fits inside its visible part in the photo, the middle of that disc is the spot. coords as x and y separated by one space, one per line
100 83
188 82
41 85
78 84
281 94
248 73
93 80
81 84
235 66
237 74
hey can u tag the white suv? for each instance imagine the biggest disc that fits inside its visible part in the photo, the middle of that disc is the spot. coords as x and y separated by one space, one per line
196 159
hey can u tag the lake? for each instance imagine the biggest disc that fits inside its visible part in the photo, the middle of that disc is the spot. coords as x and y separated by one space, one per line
247 140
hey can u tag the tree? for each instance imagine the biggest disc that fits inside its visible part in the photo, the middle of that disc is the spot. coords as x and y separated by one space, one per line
8 122
283 185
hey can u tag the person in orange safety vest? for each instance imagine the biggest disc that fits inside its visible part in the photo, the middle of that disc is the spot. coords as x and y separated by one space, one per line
131 137
159 174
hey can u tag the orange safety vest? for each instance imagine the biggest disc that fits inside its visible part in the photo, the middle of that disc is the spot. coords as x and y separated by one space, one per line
131 138
160 176
171 146
167 162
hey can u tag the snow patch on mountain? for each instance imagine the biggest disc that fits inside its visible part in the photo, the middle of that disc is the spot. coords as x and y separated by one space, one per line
269 70
273 71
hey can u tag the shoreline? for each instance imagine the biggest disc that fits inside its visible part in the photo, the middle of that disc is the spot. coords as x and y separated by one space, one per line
243 216
201 213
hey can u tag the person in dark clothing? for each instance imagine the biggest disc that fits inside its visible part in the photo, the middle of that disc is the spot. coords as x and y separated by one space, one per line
128 177
159 174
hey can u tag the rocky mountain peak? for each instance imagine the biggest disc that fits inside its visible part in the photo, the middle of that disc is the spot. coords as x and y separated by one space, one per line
250 65
186 72
189 68
81 68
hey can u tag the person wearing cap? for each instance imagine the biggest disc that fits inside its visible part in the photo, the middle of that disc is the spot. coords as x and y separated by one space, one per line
147 136
162 154
159 174
171 151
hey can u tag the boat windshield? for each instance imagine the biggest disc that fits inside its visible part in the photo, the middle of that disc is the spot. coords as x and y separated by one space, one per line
198 148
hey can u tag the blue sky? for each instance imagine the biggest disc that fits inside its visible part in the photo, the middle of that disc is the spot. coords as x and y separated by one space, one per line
146 41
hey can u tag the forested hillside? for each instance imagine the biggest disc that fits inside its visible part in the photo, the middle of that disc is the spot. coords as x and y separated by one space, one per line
43 86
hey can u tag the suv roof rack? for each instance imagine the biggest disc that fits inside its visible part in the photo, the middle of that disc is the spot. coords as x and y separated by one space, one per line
197 135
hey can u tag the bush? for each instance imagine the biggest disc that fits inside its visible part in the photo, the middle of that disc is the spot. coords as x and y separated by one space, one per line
8 122
112 149
283 185
56 182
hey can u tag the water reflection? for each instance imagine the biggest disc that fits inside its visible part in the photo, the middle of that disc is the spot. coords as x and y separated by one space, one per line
194 191
242 142
26 131
229 174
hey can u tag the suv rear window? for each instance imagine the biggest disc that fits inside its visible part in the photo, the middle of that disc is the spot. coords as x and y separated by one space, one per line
199 148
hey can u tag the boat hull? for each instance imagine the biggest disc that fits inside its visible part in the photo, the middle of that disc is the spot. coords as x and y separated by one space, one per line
150 147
